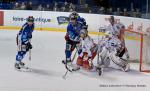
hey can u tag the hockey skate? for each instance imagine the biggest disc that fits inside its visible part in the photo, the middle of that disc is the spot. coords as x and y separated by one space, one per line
99 70
67 62
126 68
22 65
17 66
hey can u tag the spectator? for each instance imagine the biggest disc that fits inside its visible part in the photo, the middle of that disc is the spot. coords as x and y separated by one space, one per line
132 13
125 12
66 5
86 8
118 12
47 8
90 11
71 10
101 10
63 9
23 6
138 13
29 6
71 6
55 7
110 11
40 8
17 6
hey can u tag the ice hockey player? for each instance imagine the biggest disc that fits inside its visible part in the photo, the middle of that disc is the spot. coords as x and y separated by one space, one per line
89 51
108 48
72 37
118 29
23 41
80 19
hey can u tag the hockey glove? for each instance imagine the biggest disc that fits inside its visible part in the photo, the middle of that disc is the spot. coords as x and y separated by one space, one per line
28 46
30 36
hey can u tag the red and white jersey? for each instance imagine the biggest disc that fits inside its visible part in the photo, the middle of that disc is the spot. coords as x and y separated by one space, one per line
115 29
111 43
87 44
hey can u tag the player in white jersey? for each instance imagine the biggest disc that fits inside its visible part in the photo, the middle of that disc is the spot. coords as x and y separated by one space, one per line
108 47
117 30
89 51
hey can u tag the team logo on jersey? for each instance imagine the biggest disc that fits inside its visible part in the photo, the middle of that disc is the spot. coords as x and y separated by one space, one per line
62 20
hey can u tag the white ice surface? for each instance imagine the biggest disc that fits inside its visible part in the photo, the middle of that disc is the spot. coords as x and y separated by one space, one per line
47 69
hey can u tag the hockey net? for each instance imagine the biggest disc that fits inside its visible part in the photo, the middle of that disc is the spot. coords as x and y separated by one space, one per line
138 46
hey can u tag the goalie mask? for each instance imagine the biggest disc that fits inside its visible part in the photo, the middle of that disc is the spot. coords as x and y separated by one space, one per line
108 34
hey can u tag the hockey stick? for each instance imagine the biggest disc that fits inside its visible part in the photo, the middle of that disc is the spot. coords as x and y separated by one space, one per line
68 69
99 69
30 52
98 46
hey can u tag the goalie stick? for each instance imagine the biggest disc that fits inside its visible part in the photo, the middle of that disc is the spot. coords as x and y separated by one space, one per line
99 69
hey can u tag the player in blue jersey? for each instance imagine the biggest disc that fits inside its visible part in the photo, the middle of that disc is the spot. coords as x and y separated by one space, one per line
23 41
80 19
72 36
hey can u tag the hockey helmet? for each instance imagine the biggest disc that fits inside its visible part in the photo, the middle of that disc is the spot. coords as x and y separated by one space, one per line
108 34
30 19
75 13
85 27
73 17
112 18
83 32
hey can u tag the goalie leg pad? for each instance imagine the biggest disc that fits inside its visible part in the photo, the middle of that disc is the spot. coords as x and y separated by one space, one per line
117 60
121 53
104 53
119 63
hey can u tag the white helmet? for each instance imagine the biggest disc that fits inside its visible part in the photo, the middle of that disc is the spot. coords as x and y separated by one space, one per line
83 32
108 33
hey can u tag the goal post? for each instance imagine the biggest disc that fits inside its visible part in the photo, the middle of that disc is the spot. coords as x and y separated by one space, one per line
139 48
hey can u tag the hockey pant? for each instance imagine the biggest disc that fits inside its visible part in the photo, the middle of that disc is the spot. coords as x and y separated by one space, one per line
70 46
22 50
84 60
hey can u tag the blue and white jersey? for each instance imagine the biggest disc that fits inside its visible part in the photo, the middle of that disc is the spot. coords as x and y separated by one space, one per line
25 33
81 20
74 30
